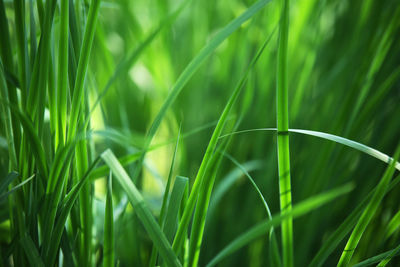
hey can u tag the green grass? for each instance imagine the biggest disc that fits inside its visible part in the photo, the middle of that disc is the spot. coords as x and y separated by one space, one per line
184 133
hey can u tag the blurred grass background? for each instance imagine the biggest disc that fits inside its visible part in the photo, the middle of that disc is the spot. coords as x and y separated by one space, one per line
344 79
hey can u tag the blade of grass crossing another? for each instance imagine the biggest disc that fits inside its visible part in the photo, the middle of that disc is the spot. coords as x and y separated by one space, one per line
368 213
282 118
161 222
82 68
142 211
263 227
382 258
179 238
273 244
192 67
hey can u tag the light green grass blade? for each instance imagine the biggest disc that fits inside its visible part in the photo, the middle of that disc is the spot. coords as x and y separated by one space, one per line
161 222
62 77
393 225
337 139
263 228
144 214
83 63
382 258
282 119
108 260
188 72
179 238
347 225
171 220
368 213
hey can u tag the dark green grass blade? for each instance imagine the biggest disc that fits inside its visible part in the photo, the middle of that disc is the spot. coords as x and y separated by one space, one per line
273 245
5 182
263 228
383 257
7 118
109 254
144 214
31 251
64 211
3 196
347 225
368 213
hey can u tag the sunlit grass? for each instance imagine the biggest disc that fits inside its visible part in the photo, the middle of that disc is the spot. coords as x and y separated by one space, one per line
158 134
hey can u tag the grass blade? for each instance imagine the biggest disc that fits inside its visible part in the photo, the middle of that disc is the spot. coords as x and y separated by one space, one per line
109 227
144 214
382 258
178 241
368 213
262 228
282 118
334 138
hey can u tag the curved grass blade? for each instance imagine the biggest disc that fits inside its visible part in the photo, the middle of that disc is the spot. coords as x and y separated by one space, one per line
368 213
142 211
263 228
179 238
188 72
337 139
273 244
108 260
382 258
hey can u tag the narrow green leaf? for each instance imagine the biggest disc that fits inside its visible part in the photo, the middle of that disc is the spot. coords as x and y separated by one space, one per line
108 260
174 203
381 258
368 213
3 196
263 228
142 211
208 183
337 139
31 251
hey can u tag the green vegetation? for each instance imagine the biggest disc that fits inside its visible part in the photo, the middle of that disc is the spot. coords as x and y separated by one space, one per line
136 133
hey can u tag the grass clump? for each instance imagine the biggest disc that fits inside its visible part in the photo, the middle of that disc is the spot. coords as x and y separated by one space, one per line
135 134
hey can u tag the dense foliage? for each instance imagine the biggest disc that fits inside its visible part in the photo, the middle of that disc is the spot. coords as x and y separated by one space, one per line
146 133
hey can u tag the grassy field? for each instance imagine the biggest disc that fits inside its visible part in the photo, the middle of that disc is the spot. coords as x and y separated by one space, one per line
199 133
